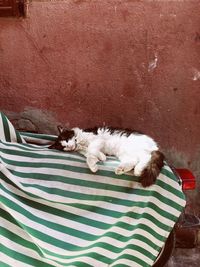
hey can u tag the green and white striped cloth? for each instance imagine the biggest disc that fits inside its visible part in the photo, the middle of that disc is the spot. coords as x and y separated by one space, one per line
54 212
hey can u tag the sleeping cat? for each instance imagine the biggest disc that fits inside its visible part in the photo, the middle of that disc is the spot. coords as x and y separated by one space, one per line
136 151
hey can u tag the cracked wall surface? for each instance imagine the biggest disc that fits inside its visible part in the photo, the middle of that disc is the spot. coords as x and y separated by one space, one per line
124 63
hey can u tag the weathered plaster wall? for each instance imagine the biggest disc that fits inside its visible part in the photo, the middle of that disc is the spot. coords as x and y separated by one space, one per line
127 63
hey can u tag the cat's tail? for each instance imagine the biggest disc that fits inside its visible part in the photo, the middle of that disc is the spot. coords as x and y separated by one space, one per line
152 170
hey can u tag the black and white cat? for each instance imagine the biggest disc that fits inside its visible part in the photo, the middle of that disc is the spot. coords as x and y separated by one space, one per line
136 151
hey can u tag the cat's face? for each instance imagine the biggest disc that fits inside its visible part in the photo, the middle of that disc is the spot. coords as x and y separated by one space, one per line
66 141
70 140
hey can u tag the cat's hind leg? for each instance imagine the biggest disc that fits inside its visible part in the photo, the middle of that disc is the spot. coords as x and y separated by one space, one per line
101 156
142 164
125 165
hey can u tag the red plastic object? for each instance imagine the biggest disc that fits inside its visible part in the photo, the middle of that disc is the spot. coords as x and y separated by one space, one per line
188 179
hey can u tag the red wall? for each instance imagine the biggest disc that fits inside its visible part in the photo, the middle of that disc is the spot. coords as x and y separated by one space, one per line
125 63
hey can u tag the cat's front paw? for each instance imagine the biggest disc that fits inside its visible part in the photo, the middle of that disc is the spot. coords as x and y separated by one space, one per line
91 162
119 170
94 168
102 156
124 168
137 172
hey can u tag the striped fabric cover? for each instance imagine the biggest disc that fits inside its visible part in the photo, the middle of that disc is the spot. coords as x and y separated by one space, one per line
54 212
8 132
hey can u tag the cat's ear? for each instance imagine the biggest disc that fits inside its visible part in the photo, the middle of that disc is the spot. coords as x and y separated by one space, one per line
60 129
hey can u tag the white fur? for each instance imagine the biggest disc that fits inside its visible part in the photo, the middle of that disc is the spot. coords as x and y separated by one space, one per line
70 145
134 151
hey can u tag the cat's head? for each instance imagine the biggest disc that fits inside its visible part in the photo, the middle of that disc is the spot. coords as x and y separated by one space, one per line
68 140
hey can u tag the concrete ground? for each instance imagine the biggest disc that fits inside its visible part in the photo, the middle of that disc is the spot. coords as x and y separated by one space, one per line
182 257
185 258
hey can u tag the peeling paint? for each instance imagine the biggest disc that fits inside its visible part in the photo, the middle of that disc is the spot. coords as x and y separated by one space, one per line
196 74
153 63
173 15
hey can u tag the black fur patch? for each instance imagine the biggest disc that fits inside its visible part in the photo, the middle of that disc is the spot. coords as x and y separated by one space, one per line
65 135
127 132
92 130
112 130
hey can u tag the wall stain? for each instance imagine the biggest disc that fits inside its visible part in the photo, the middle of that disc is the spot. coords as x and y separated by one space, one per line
125 14
197 37
78 2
